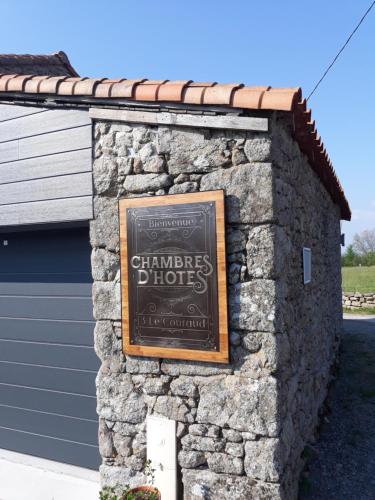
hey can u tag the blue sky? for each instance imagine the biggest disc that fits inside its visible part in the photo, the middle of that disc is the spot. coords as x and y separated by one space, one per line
274 43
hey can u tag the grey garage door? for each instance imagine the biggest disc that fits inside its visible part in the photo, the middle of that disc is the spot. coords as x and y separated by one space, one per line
47 361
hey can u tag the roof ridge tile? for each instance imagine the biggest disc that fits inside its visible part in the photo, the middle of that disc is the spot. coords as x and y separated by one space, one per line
50 64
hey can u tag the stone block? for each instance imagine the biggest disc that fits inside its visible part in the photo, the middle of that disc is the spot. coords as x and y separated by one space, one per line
107 300
154 165
156 386
106 447
105 171
176 368
104 264
252 342
126 429
184 386
224 464
104 229
268 251
200 443
117 401
192 150
235 449
248 189
124 167
198 484
264 459
141 364
191 459
122 445
142 135
232 435
182 178
139 445
116 477
258 149
252 305
146 152
106 342
240 403
204 430
143 183
185 187
239 156
173 407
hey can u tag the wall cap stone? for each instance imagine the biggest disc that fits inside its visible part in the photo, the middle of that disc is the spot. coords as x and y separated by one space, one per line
185 120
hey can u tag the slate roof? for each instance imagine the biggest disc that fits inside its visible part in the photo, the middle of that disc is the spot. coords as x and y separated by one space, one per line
56 64
235 95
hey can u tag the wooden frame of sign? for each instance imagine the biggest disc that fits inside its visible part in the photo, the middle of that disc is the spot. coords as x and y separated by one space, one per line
173 276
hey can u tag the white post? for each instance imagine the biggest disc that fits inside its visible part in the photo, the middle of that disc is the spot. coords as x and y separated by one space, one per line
161 451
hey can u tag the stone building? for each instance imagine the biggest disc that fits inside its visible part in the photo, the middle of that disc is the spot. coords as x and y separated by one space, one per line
241 427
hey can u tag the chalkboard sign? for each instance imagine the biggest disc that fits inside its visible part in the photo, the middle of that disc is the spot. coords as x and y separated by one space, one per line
173 279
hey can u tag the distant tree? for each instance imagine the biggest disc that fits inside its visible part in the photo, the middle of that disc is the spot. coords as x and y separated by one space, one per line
368 259
364 242
350 258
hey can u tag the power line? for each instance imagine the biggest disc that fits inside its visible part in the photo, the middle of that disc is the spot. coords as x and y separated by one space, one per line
341 50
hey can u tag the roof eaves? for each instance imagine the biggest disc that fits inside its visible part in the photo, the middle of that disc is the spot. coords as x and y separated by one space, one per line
190 93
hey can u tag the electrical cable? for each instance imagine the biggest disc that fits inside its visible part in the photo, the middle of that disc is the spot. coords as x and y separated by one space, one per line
341 50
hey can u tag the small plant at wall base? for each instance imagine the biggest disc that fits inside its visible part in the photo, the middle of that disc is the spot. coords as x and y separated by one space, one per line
138 493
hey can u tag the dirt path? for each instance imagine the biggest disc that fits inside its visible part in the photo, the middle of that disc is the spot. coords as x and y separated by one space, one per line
342 464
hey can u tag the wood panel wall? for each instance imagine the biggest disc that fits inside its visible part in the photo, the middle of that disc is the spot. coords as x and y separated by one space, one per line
45 165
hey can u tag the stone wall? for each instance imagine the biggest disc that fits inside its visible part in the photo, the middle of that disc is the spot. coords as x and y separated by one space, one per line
356 300
241 427
310 315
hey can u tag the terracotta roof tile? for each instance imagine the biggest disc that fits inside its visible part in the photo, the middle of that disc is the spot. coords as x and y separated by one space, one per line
50 85
87 86
202 84
32 85
194 93
148 90
66 86
103 88
220 93
17 83
281 99
249 97
172 90
4 79
125 89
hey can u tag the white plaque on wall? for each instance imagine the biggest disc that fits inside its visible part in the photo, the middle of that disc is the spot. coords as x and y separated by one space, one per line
306 265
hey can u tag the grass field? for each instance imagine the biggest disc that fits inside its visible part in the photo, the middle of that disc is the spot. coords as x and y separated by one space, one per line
360 310
358 279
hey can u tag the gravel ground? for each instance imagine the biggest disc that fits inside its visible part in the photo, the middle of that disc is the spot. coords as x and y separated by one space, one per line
341 465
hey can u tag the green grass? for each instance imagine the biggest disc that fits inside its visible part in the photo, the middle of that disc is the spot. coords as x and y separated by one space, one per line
358 279
359 310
